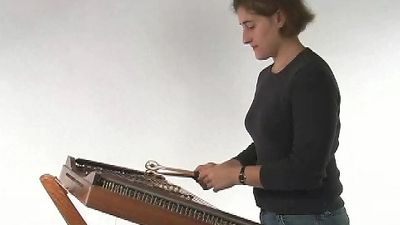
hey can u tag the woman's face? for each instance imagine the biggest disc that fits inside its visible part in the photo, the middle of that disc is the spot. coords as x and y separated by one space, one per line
261 32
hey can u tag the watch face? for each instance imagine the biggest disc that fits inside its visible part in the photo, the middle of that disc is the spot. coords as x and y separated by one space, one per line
242 176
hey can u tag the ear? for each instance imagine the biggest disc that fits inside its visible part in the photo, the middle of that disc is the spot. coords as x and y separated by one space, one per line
280 18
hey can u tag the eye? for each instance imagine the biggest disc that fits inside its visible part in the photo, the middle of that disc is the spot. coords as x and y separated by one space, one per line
249 26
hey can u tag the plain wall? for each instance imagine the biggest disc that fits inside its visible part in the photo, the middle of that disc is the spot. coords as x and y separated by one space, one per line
125 81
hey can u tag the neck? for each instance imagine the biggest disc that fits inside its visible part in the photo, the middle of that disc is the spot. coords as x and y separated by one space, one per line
288 50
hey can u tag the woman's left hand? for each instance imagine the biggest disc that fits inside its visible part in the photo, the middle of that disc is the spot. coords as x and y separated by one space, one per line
218 176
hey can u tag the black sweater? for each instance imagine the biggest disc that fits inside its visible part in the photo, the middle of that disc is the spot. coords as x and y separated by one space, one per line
294 123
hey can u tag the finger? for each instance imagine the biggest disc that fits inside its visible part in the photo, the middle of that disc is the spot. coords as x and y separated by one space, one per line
203 180
218 188
196 175
202 166
199 167
201 171
203 185
208 182
201 175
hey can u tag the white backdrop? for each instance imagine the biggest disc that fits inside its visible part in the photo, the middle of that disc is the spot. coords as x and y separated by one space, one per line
125 81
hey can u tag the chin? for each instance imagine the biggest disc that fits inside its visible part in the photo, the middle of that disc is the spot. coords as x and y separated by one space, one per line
262 57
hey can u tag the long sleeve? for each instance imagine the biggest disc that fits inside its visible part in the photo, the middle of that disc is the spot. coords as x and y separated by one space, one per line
247 156
294 123
314 100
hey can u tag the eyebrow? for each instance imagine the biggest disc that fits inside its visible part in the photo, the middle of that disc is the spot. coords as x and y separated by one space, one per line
245 22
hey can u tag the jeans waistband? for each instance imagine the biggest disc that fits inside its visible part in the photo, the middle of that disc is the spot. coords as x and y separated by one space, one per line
327 212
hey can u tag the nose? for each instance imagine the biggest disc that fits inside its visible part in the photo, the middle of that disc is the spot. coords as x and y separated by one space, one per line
246 37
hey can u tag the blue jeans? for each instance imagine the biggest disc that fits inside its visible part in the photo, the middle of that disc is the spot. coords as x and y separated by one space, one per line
336 217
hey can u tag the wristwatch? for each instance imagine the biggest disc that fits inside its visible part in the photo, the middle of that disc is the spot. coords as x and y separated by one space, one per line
242 176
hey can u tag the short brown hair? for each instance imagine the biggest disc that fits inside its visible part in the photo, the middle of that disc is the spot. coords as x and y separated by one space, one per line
297 13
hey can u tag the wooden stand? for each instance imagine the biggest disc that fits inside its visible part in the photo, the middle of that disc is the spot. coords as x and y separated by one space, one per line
60 198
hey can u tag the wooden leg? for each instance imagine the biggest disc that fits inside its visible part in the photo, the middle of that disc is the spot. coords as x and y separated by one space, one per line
59 196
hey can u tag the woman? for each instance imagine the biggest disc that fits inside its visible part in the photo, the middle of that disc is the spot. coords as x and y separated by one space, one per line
293 121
